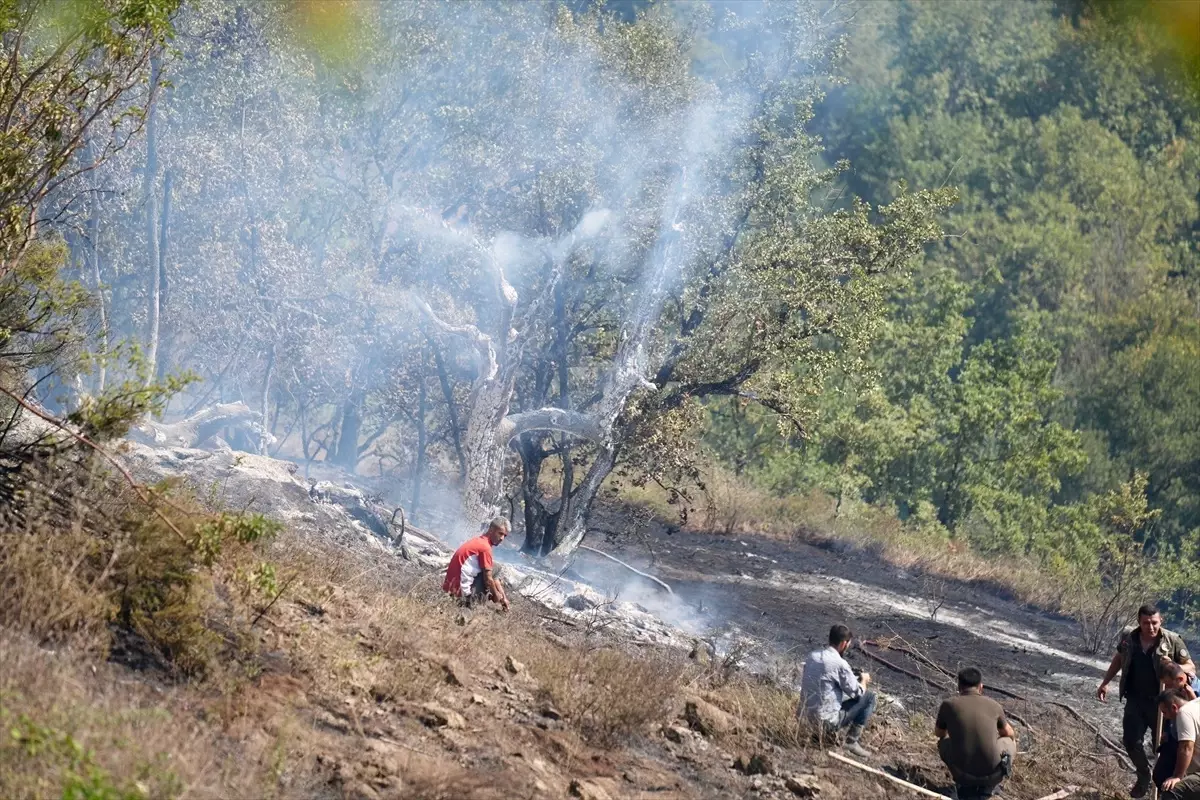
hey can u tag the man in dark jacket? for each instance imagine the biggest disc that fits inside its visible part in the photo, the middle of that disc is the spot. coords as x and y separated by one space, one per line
1139 659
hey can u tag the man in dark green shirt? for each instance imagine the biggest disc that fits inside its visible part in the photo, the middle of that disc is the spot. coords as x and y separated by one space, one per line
1139 659
975 739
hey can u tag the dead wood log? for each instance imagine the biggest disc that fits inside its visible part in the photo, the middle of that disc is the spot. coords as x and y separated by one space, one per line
202 426
899 781
661 584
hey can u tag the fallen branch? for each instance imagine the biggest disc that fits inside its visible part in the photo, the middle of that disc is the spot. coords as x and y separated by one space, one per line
634 570
1117 749
900 669
1061 793
899 781
1109 743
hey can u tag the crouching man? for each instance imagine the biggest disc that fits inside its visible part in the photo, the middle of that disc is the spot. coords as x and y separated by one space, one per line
975 739
1184 783
469 575
833 697
1174 677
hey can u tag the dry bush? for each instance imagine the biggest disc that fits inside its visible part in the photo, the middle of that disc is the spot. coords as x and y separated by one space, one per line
607 693
83 555
769 709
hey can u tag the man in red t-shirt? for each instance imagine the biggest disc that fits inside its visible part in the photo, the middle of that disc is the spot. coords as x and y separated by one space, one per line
469 575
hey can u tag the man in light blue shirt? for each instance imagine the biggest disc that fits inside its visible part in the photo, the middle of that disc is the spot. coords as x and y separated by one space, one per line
832 696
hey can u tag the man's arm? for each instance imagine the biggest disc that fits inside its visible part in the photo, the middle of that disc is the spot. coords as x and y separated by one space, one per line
1183 760
1005 729
851 688
496 590
939 725
1184 659
1113 669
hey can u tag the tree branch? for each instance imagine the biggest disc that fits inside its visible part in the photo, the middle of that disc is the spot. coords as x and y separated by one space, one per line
551 419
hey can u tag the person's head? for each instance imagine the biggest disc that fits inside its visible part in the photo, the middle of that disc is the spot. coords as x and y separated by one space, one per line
1149 621
970 680
497 529
1170 701
839 638
1173 675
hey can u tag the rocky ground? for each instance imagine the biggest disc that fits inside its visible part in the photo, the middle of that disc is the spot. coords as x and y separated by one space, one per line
475 710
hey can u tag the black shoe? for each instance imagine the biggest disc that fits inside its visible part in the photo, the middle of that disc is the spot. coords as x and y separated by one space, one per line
1140 788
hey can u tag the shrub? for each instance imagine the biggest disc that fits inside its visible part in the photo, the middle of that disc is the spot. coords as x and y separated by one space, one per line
607 693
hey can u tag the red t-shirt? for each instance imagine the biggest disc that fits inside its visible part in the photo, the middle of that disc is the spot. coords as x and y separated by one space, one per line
471 558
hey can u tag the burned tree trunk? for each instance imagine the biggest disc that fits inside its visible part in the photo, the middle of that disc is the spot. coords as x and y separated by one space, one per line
345 455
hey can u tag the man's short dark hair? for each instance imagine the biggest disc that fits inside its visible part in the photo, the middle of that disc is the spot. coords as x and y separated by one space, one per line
839 634
969 678
1148 610
1173 697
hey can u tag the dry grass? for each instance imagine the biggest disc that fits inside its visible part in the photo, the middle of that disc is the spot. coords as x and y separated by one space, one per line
77 729
606 693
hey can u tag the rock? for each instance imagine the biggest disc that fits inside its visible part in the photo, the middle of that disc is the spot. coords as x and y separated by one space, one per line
550 712
479 700
435 716
676 733
588 790
580 602
513 666
453 672
358 790
757 784
757 764
700 653
705 718
804 785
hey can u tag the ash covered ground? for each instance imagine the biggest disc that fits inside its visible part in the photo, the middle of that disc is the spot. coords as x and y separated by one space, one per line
758 602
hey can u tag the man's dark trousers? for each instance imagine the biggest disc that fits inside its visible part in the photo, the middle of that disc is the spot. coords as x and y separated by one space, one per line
1141 715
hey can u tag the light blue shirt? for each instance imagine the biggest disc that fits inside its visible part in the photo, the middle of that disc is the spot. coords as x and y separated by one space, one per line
827 682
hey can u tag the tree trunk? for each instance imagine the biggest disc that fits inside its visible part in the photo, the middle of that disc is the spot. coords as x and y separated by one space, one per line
162 355
98 288
419 470
451 407
265 400
346 455
149 178
540 522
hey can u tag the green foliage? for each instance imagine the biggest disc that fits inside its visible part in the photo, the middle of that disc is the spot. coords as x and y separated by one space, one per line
1046 348
81 777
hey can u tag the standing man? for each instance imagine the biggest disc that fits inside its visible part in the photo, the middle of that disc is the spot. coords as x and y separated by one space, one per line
1184 783
832 696
469 574
1139 659
975 739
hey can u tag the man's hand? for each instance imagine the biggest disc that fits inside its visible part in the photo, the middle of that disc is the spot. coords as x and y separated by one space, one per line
865 679
1169 784
1102 692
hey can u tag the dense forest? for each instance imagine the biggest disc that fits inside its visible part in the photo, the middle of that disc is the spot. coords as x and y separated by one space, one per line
938 258
1033 389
